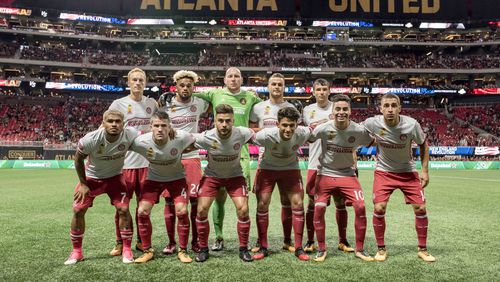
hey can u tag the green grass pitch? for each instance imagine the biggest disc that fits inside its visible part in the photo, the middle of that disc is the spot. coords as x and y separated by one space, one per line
464 235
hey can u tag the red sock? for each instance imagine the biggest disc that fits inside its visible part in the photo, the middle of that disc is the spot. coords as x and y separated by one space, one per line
117 227
310 224
127 235
262 225
169 214
360 225
145 230
194 232
183 229
319 224
341 217
379 227
243 228
421 222
286 221
76 240
298 226
203 228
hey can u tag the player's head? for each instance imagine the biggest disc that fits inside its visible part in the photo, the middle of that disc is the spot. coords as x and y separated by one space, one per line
276 85
224 119
112 121
287 122
136 81
160 126
233 80
184 82
321 90
341 108
390 107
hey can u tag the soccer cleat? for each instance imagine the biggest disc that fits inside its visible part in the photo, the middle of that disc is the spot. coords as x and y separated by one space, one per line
309 247
301 254
425 256
345 247
381 254
117 250
74 257
245 254
202 255
320 256
147 255
183 256
288 247
218 245
261 253
139 247
169 249
363 255
127 257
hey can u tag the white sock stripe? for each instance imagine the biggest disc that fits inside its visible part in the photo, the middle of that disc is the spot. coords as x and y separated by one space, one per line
76 236
244 222
202 221
379 215
320 204
262 214
421 216
298 212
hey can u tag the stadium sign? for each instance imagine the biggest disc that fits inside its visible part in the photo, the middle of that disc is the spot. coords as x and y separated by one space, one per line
487 151
341 24
9 83
150 21
83 87
89 18
485 91
300 69
397 91
15 11
444 150
239 22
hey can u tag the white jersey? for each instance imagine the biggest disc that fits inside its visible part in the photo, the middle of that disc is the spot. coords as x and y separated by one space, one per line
265 113
224 154
314 115
280 154
138 116
394 144
337 147
185 116
105 159
164 161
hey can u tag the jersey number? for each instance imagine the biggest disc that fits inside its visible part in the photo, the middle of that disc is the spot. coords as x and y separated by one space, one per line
359 195
123 196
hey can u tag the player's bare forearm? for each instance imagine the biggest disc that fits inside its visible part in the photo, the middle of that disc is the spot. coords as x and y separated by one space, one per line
80 167
424 157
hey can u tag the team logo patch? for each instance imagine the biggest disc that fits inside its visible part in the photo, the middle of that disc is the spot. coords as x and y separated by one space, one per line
351 139
174 151
403 137
148 110
150 153
121 147
237 146
243 101
193 109
295 147
129 109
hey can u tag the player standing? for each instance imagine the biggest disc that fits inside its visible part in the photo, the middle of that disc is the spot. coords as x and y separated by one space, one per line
280 165
106 148
314 115
395 169
165 173
223 144
336 175
137 110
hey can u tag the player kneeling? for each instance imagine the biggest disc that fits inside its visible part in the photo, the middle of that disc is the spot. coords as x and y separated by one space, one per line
163 148
106 148
336 175
279 165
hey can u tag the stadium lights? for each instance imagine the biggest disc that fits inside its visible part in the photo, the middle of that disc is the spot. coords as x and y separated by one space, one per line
212 22
157 52
408 25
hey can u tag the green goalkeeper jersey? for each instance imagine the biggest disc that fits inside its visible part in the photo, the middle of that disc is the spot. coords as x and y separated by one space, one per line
242 104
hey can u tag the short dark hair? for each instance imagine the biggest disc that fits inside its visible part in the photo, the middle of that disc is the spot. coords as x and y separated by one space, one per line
289 112
277 75
160 115
321 82
341 98
391 96
224 109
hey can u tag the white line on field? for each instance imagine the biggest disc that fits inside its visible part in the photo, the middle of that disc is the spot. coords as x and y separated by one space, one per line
468 178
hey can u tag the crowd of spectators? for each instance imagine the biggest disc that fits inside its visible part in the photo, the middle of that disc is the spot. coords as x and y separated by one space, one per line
119 58
484 117
52 53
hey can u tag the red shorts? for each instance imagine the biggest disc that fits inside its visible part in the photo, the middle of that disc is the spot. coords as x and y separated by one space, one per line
287 180
135 178
235 186
311 181
192 167
385 183
113 186
347 187
177 190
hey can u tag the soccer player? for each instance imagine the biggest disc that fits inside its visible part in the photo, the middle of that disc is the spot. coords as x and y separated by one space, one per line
165 172
279 165
265 115
223 144
395 169
106 148
314 115
184 111
242 102
137 110
336 175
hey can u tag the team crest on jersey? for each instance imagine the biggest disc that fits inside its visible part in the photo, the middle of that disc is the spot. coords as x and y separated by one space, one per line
121 147
237 146
331 135
215 145
295 147
150 153
313 113
351 139
403 137
193 109
101 149
129 109
267 110
174 151
243 101
148 110
382 132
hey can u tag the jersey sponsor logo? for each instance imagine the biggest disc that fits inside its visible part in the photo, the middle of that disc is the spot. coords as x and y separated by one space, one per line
351 139
243 101
391 145
338 149
136 122
270 122
111 158
183 120
403 137
148 110
237 146
224 158
174 151
121 147
158 162
193 108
